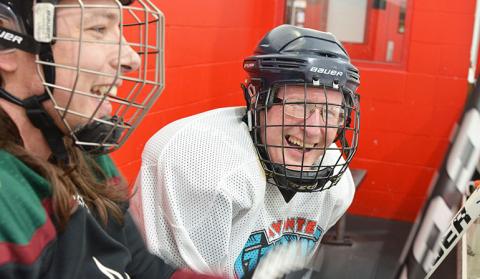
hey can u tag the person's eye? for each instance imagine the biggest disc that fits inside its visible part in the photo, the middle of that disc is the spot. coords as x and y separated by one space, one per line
333 112
101 29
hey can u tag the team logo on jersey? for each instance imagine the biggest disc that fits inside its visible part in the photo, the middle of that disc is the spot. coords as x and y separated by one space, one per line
305 232
299 226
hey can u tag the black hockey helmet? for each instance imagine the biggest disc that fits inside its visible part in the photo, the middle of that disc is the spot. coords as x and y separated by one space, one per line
294 56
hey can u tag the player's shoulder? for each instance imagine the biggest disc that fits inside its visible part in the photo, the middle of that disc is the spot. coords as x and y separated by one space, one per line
344 190
211 119
347 179
6 159
8 171
19 180
202 130
24 200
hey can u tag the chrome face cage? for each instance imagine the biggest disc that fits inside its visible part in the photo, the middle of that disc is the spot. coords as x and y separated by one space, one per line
143 26
327 170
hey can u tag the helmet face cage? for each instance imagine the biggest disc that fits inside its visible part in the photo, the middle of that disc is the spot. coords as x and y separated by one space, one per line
318 166
140 31
303 109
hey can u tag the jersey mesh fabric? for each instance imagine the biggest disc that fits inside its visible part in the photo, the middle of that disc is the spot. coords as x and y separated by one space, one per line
203 192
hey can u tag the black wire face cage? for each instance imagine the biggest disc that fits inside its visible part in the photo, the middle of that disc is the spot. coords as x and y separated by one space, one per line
306 135
113 73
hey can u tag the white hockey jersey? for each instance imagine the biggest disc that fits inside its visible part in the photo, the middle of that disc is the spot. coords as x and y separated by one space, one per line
205 204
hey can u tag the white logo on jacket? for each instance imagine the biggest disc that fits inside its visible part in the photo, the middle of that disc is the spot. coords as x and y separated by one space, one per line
110 273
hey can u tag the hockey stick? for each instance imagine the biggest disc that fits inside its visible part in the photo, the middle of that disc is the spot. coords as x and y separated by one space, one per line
458 226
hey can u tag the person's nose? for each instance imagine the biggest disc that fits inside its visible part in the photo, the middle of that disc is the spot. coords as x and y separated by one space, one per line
314 124
129 59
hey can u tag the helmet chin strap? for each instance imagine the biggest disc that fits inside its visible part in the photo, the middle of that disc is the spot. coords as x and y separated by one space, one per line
101 133
43 121
289 181
296 179
39 117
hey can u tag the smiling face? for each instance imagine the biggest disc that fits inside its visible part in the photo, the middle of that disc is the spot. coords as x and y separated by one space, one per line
98 56
294 140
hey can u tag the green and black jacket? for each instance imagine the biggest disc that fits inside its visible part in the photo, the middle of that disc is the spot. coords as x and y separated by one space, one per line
31 247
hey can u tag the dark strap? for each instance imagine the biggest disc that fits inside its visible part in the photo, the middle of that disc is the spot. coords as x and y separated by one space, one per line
9 97
13 39
43 121
46 55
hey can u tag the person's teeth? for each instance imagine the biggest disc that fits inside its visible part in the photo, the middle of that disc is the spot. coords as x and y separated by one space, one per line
102 90
299 142
113 91
309 145
295 141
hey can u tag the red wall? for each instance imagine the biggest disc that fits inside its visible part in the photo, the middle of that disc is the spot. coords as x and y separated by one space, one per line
206 42
408 114
408 111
